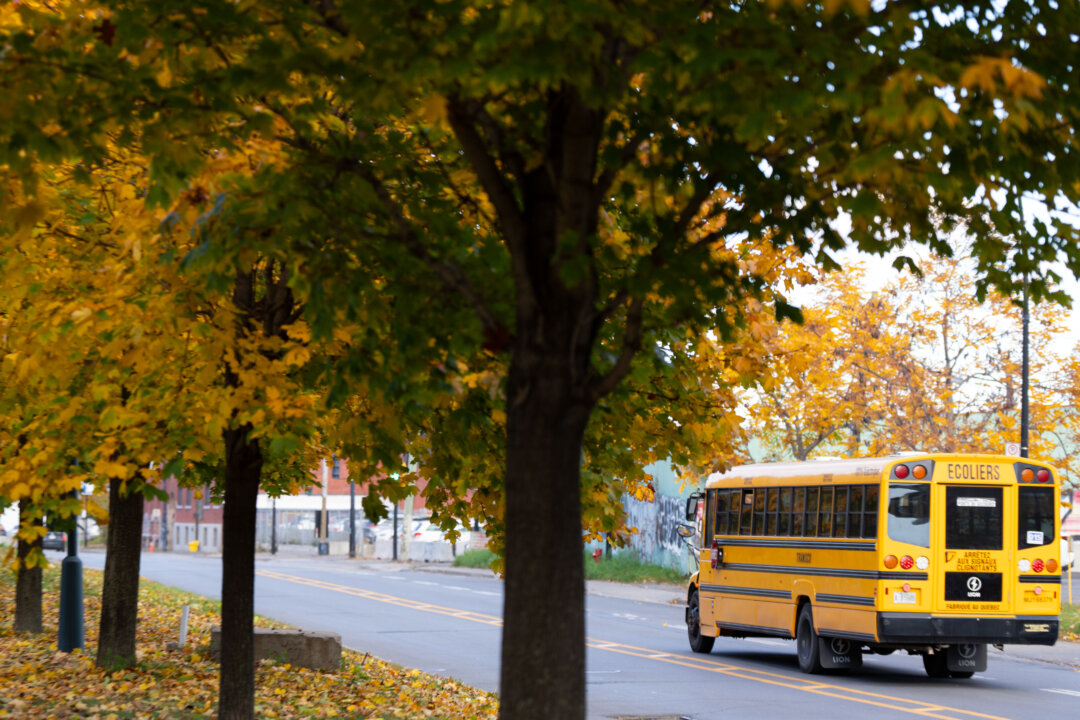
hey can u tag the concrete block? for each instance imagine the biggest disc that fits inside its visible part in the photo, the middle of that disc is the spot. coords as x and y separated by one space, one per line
302 648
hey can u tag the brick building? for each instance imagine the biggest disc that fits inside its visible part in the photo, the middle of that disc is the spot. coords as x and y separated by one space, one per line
174 523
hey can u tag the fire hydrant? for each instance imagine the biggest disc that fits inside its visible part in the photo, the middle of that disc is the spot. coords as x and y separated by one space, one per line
596 555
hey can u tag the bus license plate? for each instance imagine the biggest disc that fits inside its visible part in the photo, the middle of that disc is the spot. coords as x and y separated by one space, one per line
903 598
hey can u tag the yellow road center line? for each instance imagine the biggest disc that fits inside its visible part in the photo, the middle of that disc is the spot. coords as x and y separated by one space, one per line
923 709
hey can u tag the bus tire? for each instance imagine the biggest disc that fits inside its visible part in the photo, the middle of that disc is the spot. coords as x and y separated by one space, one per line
961 674
698 643
936 664
807 643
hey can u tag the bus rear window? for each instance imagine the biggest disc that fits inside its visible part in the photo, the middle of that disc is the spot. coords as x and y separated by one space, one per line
909 514
973 518
1036 522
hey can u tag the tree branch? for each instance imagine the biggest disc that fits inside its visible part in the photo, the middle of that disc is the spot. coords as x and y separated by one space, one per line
494 184
450 274
601 385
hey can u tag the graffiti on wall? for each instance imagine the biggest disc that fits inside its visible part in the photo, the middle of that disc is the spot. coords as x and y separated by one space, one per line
657 539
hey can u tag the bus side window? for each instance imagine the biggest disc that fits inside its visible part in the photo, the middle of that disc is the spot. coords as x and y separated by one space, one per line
840 517
811 512
759 512
855 512
734 508
722 513
825 523
869 528
798 511
747 512
784 527
771 507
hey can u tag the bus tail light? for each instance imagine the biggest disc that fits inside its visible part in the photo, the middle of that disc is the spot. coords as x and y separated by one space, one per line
1037 565
1043 475
715 555
901 471
918 472
890 561
1027 474
906 562
1051 566
922 562
1024 565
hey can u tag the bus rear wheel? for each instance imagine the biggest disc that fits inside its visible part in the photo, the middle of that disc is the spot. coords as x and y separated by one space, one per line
807 642
936 665
698 643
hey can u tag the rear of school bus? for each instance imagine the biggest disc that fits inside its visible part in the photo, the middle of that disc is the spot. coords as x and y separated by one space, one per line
969 558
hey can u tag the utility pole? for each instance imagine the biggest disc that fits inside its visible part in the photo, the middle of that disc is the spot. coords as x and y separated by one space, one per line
352 519
324 546
198 517
273 526
395 530
1024 368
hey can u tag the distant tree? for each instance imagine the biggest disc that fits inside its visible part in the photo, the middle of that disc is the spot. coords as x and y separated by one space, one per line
917 364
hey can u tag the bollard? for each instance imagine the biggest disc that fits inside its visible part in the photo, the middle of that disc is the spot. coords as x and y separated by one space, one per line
183 624
70 627
596 555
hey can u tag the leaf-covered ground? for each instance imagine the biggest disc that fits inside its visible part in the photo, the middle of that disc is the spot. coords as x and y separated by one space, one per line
37 681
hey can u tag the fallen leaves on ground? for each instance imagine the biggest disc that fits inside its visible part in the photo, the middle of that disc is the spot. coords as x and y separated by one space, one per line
37 681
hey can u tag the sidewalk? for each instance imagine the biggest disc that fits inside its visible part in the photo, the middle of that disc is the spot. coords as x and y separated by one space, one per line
1064 653
655 593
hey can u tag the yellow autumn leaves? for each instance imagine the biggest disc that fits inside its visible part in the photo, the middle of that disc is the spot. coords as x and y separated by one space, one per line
37 681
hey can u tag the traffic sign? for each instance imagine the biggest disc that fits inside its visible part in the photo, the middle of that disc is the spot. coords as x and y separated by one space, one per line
1012 449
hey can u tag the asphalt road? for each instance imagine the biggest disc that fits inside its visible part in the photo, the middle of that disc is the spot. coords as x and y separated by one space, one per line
638 662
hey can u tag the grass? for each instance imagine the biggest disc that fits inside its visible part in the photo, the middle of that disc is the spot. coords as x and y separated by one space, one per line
36 681
474 559
1070 622
623 567
626 568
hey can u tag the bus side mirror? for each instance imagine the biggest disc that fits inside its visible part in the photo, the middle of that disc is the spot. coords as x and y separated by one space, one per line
685 531
692 505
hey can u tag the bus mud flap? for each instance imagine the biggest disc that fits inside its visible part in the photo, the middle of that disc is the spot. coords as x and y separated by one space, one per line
838 653
966 657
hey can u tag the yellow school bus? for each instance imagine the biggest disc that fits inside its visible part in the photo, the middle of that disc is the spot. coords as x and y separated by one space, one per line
933 554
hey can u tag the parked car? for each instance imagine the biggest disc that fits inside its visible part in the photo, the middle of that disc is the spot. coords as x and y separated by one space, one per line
54 541
430 532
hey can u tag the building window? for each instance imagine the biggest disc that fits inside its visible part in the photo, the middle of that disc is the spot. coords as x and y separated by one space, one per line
335 469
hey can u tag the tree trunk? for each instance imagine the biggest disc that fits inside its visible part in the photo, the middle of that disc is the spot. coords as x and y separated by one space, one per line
28 580
120 591
543 645
243 468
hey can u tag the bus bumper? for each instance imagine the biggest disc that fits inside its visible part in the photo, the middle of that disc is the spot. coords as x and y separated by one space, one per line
927 629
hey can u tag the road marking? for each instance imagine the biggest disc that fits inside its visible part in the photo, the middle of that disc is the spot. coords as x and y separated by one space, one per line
1062 691
694 662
